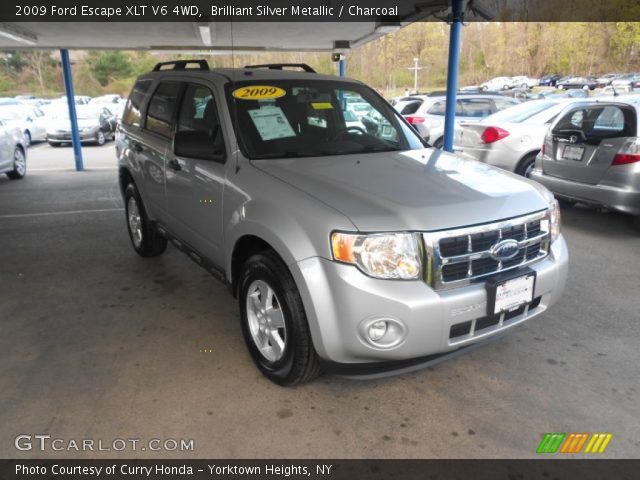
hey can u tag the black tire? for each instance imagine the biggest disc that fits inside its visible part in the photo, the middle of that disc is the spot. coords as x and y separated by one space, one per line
19 165
54 144
565 203
101 138
299 362
636 222
439 143
27 138
526 164
149 243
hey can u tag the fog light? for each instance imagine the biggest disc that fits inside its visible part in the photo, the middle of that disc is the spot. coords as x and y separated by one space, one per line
377 330
382 332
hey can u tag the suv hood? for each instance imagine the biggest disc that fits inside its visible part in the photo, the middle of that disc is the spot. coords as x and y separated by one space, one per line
413 190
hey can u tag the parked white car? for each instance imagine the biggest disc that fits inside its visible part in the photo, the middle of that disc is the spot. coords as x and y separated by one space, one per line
524 82
497 83
30 120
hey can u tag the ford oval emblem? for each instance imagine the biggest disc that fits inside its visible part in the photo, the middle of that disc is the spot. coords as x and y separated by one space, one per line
504 250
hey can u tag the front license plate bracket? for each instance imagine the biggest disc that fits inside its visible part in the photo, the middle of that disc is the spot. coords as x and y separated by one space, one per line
510 290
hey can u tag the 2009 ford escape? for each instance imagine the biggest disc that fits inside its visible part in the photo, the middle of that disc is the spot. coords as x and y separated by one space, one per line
351 247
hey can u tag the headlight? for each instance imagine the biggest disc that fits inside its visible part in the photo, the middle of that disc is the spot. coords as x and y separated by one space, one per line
554 213
380 255
554 219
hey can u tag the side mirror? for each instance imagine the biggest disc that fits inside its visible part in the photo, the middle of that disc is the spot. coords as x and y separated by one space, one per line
198 145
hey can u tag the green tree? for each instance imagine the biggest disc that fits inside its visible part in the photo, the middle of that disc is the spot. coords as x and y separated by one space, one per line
110 65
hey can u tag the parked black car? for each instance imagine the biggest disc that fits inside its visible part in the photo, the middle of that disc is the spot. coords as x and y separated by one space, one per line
577 82
549 80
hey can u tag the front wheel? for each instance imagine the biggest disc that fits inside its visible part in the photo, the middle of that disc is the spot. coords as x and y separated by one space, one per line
274 323
439 143
100 138
19 165
27 138
146 240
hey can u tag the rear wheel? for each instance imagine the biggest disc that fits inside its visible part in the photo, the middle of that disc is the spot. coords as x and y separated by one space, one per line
146 240
526 165
100 138
54 144
438 143
27 138
19 165
274 323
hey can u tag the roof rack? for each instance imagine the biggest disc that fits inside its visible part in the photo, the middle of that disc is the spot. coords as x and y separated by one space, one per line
182 65
281 66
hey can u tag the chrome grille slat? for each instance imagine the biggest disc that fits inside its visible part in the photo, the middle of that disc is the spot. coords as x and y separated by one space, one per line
460 256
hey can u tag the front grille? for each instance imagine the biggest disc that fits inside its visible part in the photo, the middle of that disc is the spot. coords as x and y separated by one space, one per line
463 255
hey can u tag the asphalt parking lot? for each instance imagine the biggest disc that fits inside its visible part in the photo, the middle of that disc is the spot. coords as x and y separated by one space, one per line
99 343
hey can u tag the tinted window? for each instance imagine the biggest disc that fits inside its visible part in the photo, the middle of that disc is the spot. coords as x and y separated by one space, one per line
410 108
199 113
598 122
475 107
440 107
502 103
161 108
131 115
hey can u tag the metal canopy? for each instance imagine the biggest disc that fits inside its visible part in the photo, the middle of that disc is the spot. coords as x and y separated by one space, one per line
224 37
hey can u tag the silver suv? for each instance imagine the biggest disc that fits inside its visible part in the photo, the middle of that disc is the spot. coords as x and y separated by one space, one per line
351 249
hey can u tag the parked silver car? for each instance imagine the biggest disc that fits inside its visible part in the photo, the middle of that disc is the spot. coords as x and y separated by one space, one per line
591 154
350 250
97 124
13 151
512 138
29 119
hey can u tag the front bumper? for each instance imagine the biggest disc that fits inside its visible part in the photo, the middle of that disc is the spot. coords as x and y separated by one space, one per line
65 137
339 298
622 197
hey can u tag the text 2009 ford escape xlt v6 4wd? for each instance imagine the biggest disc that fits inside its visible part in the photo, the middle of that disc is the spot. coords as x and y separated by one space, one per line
351 248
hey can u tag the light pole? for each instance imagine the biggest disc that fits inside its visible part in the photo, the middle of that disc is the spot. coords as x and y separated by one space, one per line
415 69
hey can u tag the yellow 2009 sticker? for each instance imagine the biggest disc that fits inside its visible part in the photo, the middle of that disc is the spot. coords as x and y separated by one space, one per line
258 92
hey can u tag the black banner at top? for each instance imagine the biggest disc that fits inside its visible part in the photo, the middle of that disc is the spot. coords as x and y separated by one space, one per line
392 11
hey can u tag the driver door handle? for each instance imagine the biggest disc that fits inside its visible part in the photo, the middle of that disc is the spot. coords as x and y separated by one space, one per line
174 165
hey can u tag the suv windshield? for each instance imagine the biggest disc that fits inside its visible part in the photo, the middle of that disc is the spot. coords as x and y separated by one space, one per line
300 118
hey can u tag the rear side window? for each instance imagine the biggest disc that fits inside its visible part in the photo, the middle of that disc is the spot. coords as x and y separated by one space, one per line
131 115
410 108
161 108
502 103
475 107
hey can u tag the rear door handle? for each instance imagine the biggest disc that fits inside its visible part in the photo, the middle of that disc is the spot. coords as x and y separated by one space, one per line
174 165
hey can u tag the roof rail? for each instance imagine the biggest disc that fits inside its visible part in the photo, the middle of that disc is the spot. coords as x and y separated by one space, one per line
182 65
281 66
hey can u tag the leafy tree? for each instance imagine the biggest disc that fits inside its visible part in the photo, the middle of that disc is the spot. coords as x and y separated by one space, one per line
110 65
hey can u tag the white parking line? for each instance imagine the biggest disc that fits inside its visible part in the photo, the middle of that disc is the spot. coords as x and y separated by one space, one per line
59 169
69 212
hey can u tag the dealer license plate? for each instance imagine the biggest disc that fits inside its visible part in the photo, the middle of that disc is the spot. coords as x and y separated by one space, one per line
513 293
572 153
